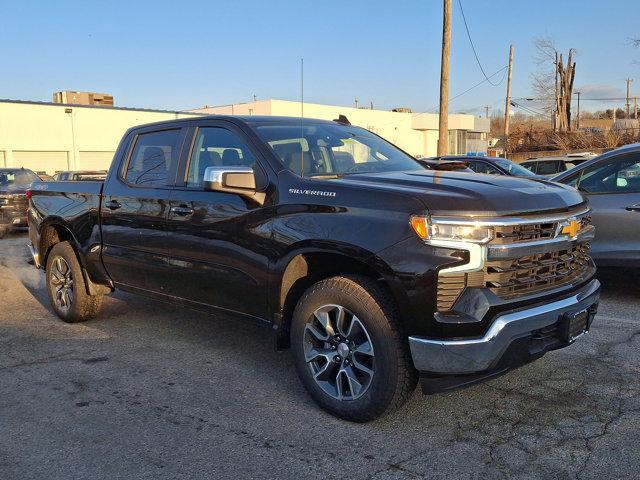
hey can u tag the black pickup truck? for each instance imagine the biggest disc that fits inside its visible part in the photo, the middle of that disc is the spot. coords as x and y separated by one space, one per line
375 270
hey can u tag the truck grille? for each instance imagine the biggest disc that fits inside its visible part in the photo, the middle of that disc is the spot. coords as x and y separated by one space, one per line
18 202
519 276
524 233
534 273
451 286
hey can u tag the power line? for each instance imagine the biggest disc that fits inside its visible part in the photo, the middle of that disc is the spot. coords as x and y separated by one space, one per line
504 72
473 47
532 99
432 109
527 109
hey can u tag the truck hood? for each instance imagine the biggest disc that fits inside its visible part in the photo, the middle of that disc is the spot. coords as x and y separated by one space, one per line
472 194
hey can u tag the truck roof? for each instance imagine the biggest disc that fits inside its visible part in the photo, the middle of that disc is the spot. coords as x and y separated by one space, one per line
247 119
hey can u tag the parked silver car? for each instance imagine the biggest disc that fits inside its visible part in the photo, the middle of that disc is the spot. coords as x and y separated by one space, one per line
611 182
550 166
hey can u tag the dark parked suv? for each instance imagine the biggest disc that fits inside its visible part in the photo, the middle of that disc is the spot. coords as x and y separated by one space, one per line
14 183
489 165
373 269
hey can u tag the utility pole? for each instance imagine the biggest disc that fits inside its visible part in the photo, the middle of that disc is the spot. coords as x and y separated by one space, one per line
629 80
486 111
635 107
507 106
443 124
578 116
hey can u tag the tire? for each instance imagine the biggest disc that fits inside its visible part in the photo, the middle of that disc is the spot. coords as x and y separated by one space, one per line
66 286
374 341
3 232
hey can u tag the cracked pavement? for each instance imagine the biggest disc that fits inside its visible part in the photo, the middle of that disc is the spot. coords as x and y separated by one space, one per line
151 391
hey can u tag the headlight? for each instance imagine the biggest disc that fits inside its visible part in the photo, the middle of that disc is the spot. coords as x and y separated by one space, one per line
432 230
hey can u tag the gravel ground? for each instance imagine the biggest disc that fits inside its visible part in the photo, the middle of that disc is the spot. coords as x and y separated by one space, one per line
149 390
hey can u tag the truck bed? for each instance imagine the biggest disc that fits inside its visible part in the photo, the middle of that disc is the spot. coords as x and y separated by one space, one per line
74 205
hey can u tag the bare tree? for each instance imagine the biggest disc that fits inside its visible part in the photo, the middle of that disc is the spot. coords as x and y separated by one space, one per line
553 82
566 76
544 79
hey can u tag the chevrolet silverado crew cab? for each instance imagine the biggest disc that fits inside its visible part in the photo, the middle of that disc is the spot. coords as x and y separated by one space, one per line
374 270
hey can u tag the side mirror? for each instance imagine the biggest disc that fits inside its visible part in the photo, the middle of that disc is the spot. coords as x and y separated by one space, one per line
241 180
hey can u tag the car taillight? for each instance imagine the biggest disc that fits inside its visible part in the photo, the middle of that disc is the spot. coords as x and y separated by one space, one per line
28 194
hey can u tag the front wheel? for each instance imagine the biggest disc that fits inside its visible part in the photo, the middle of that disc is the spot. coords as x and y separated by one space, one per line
349 349
66 286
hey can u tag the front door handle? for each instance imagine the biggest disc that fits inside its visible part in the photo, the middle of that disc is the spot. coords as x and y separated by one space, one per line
112 205
633 208
182 211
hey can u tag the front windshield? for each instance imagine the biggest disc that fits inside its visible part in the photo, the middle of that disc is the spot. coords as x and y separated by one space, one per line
513 168
17 178
326 149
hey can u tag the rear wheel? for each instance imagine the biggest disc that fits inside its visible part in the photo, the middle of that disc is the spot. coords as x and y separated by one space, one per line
349 350
66 286
3 232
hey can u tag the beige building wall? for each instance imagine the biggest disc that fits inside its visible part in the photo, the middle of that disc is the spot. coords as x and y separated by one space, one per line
47 137
52 137
416 133
393 126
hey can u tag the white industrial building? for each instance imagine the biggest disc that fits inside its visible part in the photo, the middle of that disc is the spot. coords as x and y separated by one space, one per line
54 136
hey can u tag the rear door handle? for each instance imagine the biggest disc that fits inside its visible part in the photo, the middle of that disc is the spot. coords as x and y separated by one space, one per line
182 211
633 208
113 205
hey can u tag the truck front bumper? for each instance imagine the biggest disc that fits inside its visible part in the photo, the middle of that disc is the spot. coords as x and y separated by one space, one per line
513 339
12 218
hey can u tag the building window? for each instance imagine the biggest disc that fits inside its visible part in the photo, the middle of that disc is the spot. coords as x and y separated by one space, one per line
457 142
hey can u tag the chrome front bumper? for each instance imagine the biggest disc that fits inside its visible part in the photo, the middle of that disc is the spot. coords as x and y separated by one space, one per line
481 354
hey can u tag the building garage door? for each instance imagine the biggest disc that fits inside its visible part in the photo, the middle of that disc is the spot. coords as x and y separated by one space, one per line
49 162
95 160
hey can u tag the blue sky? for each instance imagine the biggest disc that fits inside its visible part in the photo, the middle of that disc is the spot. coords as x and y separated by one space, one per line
178 55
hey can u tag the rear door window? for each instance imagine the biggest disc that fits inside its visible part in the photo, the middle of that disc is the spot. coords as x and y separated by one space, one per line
483 167
547 168
154 156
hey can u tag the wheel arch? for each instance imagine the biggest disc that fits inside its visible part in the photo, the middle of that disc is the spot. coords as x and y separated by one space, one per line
53 231
307 264
56 230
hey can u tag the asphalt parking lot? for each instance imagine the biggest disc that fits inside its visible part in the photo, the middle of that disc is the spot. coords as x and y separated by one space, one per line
148 390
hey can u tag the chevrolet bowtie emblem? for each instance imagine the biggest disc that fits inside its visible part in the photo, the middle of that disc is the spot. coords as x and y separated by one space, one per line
571 229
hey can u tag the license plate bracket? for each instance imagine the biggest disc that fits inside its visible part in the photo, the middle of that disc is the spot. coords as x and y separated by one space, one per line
574 325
